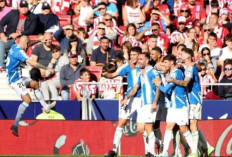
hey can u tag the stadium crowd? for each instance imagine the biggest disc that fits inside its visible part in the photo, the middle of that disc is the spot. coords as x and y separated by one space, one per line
90 33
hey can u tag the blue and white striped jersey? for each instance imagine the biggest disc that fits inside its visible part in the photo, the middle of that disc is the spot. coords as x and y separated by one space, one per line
132 77
176 95
148 89
194 87
167 99
15 56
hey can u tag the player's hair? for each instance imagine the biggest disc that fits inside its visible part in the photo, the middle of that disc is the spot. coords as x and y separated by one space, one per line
82 71
229 37
212 34
104 37
227 61
119 58
136 49
157 49
146 54
35 74
55 48
170 57
188 51
110 68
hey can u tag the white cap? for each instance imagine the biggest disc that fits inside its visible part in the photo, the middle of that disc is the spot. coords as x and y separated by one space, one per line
181 19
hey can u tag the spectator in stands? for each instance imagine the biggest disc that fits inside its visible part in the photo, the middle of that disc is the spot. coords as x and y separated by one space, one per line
74 48
205 76
207 28
35 6
156 57
224 19
94 41
179 35
79 88
68 74
221 32
62 36
111 24
132 13
132 36
126 48
211 43
162 39
52 82
212 9
197 11
111 9
48 22
185 11
109 89
211 61
104 54
82 35
227 51
191 42
226 91
42 53
18 22
4 9
152 42
157 17
85 8
145 48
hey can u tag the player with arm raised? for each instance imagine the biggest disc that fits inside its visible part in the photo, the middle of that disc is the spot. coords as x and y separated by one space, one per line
17 55
192 83
149 104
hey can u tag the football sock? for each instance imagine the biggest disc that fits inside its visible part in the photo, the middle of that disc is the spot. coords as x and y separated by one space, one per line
176 142
40 97
195 141
151 143
167 139
145 142
21 109
189 139
203 140
117 138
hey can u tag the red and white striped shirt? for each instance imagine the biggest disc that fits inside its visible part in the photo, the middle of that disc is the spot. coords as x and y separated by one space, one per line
206 79
79 86
176 36
132 40
221 32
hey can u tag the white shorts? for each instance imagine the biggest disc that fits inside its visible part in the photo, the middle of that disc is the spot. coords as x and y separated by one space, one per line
20 86
132 106
178 116
145 115
195 111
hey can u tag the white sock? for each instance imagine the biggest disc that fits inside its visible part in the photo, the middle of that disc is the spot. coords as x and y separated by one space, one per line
203 140
21 109
195 141
151 143
145 142
189 139
177 144
40 97
117 138
167 139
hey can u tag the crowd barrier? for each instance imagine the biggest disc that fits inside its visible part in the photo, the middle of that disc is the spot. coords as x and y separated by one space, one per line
95 137
106 109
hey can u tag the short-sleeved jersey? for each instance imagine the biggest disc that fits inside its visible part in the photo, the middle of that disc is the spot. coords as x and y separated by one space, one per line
15 56
148 89
167 98
132 77
178 93
79 86
194 87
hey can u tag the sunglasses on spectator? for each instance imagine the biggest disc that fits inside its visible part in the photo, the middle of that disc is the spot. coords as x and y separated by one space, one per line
68 29
228 69
207 30
181 23
48 40
206 54
101 28
2 0
203 69
108 19
154 30
154 14
182 11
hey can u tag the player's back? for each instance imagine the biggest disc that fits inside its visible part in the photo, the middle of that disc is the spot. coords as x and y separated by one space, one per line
15 56
178 94
194 87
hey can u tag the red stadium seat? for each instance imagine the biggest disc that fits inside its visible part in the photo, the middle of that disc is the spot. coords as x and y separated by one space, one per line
96 72
72 95
64 20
